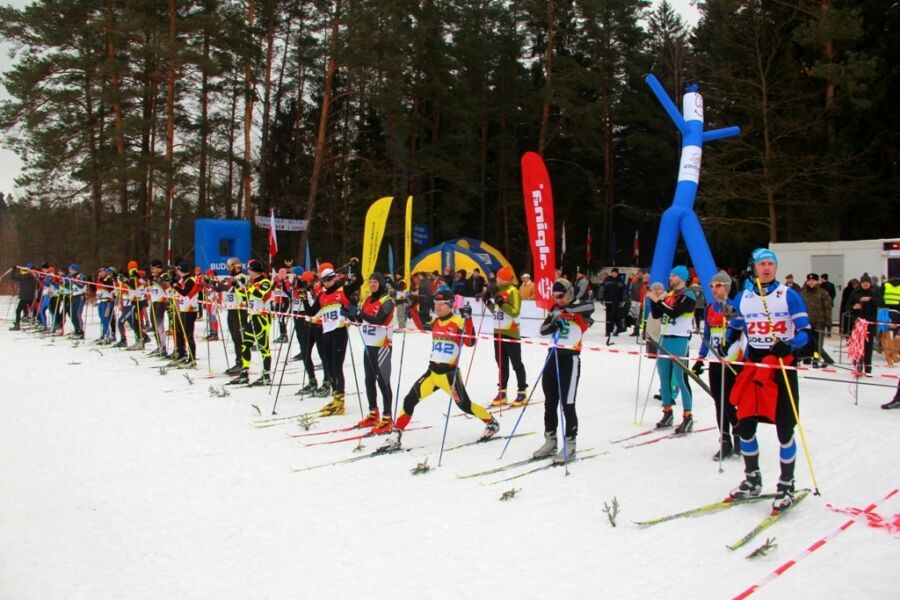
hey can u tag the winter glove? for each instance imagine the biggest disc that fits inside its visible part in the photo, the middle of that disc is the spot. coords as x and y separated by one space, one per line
698 368
500 300
465 311
352 313
781 349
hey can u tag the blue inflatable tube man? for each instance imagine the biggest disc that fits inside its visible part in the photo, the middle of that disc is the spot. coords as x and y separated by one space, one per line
680 217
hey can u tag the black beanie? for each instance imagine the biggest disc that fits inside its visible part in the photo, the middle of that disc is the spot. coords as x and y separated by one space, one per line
255 266
376 276
156 263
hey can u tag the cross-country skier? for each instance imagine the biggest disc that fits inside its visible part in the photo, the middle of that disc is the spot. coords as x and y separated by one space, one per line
721 377
256 296
377 318
229 289
448 334
187 292
506 305
330 307
159 283
566 322
773 318
676 313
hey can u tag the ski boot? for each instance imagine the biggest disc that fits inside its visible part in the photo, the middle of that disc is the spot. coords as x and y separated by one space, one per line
784 497
243 378
686 425
385 425
309 388
499 399
491 428
667 418
726 448
234 370
264 379
371 420
323 390
15 327
392 443
566 453
750 487
333 408
521 399
549 446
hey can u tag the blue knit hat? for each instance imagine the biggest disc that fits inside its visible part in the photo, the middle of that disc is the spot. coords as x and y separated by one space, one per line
761 254
298 271
681 272
73 267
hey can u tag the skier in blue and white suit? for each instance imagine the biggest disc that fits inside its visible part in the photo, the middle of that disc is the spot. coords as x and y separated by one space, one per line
773 318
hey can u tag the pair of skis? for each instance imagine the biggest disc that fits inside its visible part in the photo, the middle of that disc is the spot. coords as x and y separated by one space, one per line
380 452
664 436
715 507
543 465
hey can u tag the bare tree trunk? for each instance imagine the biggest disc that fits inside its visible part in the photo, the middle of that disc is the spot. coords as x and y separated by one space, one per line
548 78
93 153
267 103
249 97
170 125
229 188
121 159
202 188
148 114
327 93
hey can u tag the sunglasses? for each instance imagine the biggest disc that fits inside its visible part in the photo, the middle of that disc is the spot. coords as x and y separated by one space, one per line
559 296
717 285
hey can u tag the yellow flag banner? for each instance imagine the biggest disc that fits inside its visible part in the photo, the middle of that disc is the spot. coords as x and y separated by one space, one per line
376 219
407 242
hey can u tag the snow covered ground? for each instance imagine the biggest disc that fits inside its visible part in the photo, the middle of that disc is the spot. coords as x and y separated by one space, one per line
119 482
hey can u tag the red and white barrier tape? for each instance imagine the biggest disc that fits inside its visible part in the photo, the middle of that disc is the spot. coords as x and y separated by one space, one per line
812 548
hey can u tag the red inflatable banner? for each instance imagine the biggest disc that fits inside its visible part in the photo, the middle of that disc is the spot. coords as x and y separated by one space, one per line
541 229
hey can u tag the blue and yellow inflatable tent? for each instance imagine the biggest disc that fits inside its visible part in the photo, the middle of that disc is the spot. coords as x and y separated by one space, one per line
461 253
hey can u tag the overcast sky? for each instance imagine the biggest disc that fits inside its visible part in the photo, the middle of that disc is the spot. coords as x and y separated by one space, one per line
10 164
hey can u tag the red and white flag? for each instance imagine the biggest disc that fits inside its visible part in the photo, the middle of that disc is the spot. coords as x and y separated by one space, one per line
541 226
273 239
636 250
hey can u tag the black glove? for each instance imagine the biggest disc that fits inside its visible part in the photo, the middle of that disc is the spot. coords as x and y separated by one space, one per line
722 348
781 349
465 311
698 368
499 300
352 313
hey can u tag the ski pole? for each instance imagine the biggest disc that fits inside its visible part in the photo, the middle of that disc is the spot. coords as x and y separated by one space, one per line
790 393
222 330
283 369
522 412
475 347
637 384
562 416
355 377
447 415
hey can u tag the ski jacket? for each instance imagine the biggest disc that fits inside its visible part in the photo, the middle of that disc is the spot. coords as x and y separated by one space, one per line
675 310
377 316
567 324
506 309
448 335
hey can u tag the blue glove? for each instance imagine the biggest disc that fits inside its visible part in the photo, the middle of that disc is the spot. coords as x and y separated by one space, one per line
781 349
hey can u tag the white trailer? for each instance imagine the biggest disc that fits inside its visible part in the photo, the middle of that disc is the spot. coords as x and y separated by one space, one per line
840 260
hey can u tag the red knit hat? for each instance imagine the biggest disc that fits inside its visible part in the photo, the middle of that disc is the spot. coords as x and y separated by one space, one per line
506 274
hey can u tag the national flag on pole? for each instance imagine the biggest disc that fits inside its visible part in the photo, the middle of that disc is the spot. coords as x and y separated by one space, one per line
636 249
273 239
587 248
